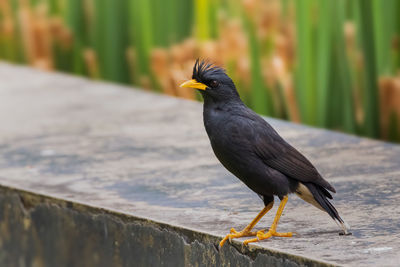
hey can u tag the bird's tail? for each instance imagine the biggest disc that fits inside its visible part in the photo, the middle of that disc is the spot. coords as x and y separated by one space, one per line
318 196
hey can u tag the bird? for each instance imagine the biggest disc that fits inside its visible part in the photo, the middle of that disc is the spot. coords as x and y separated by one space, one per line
249 147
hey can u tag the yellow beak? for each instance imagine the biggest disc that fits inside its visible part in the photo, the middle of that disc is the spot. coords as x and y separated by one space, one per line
194 84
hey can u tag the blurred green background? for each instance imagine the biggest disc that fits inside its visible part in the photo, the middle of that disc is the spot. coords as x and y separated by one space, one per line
332 64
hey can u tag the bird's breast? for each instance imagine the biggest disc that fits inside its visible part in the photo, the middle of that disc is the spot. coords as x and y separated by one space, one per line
220 128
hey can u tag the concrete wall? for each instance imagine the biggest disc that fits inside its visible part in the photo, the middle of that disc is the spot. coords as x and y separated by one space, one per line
41 231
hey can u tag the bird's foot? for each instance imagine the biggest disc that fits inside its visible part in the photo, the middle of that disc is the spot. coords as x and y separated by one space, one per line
261 235
235 234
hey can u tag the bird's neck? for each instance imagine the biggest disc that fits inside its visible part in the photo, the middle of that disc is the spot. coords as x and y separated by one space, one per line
226 103
215 112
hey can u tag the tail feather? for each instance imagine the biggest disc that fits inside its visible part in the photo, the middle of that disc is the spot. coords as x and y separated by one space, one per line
317 196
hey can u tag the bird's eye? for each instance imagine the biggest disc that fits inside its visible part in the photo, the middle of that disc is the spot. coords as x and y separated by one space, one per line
214 83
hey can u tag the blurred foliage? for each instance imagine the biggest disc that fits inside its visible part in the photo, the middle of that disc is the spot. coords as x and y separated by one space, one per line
332 64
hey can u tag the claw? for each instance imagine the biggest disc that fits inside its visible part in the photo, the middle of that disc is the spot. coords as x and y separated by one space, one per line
262 236
247 230
236 235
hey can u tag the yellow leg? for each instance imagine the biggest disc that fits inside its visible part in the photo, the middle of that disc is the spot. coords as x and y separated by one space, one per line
247 230
261 235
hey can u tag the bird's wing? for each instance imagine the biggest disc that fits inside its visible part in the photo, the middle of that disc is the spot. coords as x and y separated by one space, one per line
275 152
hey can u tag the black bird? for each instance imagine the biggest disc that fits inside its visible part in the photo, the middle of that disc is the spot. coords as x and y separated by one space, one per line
255 153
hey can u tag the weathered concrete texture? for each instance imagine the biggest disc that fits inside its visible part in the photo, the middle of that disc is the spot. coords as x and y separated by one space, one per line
40 231
148 156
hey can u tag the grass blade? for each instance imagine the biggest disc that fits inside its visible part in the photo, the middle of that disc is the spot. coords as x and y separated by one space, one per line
304 71
371 97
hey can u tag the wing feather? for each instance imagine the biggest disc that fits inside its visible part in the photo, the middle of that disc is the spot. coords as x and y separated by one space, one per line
275 152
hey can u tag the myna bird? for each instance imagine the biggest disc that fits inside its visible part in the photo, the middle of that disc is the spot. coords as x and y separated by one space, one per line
255 153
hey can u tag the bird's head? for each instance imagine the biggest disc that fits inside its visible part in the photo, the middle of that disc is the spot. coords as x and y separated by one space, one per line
212 82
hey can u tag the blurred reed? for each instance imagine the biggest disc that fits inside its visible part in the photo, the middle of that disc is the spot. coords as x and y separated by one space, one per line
332 64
